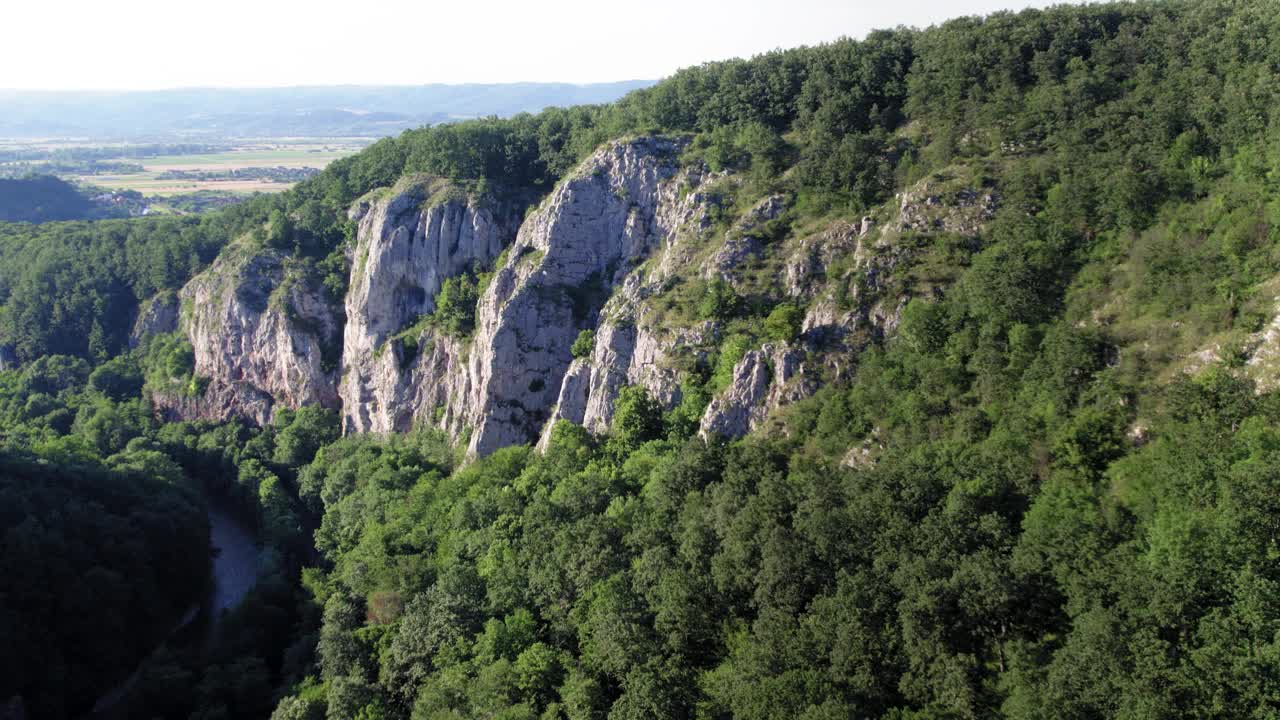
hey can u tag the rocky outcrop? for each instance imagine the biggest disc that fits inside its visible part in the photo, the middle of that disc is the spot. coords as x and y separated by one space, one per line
850 278
805 271
1255 356
697 193
592 231
259 332
221 400
926 207
620 247
1261 351
156 316
866 453
413 382
845 274
867 299
743 242
590 384
263 334
625 354
763 380
407 245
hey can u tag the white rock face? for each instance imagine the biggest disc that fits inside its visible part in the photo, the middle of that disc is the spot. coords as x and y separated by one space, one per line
806 269
156 316
763 380
629 349
925 208
258 331
627 226
221 401
403 387
406 246
742 245
845 312
596 226
624 354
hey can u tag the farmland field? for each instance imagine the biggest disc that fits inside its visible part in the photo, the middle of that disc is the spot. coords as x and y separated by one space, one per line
312 155
229 166
152 181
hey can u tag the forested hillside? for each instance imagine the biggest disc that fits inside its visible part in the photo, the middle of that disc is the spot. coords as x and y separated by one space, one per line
41 198
947 390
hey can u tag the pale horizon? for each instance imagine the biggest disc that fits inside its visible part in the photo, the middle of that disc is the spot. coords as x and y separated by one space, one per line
148 45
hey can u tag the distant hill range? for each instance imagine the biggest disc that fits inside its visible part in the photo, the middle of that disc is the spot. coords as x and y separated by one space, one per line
348 110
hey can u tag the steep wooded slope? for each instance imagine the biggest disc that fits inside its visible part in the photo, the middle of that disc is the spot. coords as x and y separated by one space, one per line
993 303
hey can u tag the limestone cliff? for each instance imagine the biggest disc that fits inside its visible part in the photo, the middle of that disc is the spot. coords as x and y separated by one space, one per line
627 351
582 242
763 381
156 315
852 278
260 328
621 247
406 246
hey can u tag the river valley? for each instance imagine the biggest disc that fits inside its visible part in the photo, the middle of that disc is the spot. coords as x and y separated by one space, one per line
234 558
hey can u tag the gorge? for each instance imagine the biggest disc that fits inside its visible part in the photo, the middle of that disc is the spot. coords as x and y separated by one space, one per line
621 230
929 374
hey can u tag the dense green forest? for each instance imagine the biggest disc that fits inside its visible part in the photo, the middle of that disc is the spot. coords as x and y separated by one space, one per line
1055 519
106 545
99 558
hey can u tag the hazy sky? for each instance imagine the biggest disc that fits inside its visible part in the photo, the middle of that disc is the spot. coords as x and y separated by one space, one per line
134 44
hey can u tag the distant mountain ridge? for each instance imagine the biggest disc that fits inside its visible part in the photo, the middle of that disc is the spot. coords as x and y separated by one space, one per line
347 110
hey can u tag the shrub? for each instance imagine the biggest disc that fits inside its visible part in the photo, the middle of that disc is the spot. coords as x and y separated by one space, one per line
924 326
637 417
732 351
783 324
719 301
456 305
119 378
583 346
